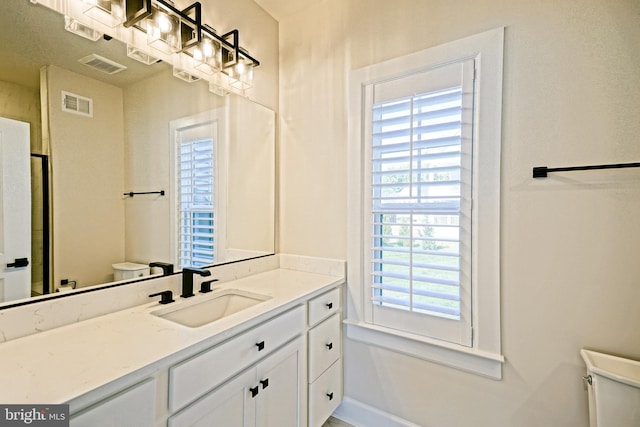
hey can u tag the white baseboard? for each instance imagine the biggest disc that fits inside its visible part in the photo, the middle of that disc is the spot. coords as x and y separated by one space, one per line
361 415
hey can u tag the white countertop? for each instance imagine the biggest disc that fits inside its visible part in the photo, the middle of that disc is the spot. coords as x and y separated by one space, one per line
59 365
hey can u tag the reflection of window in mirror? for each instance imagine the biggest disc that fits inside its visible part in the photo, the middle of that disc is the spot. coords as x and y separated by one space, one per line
196 170
198 188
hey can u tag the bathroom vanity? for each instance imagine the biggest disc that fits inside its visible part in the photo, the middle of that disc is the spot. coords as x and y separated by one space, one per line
274 362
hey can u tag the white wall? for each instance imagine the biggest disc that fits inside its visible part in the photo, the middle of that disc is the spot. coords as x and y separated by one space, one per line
87 163
151 104
570 274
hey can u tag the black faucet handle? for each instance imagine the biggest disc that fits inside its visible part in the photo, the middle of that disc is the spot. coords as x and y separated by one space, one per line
165 296
194 270
167 268
206 286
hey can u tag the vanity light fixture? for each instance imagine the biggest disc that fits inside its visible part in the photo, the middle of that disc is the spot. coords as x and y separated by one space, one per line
181 71
140 55
155 30
207 53
241 73
136 11
163 30
109 12
218 84
80 29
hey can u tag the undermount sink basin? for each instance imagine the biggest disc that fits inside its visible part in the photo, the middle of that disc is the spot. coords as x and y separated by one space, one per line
203 310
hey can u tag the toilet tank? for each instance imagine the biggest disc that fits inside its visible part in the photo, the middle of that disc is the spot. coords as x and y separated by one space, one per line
129 270
614 390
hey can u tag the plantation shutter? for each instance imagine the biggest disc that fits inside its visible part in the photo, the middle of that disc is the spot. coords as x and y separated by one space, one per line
419 204
196 172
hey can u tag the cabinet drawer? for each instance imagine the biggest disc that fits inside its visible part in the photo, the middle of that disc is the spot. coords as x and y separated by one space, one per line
133 407
192 378
324 346
324 306
325 394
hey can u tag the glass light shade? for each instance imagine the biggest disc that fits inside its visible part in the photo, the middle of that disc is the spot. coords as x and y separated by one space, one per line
163 31
218 90
184 75
141 56
241 74
207 55
219 84
109 12
81 29
181 68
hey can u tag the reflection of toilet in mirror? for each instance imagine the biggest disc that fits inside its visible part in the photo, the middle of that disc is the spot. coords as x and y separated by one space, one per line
614 390
129 270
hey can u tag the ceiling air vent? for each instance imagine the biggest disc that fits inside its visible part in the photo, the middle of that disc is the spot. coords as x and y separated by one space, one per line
72 103
101 63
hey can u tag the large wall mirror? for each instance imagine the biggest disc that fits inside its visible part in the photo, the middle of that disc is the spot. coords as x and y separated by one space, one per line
126 180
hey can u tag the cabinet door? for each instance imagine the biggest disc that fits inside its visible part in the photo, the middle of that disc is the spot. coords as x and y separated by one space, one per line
133 407
230 405
281 378
192 378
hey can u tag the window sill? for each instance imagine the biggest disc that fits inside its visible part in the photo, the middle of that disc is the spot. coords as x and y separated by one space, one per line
444 353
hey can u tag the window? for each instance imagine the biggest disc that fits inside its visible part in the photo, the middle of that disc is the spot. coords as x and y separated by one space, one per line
419 149
424 223
196 166
197 187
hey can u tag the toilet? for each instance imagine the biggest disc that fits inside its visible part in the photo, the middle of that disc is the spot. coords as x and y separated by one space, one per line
129 270
614 390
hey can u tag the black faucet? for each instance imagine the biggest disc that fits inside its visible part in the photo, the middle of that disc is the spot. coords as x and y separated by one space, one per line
165 266
187 279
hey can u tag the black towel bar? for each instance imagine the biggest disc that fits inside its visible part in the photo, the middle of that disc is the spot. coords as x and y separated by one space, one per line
131 193
541 171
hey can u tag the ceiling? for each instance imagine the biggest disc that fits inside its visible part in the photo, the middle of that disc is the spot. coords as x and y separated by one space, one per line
32 36
280 9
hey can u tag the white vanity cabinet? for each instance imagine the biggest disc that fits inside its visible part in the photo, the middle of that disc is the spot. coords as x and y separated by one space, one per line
284 371
324 356
267 394
132 407
257 378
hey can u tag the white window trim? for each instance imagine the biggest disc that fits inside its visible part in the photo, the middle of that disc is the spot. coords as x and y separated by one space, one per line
484 357
220 117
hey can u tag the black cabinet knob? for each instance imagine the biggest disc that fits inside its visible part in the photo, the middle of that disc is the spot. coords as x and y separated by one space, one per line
329 346
265 383
330 396
260 345
254 391
329 305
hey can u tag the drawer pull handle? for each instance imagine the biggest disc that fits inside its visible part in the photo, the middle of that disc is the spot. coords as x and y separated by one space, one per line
329 346
330 396
329 305
265 383
254 391
260 345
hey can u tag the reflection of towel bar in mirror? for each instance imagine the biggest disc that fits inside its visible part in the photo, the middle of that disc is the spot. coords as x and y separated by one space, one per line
132 193
541 171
